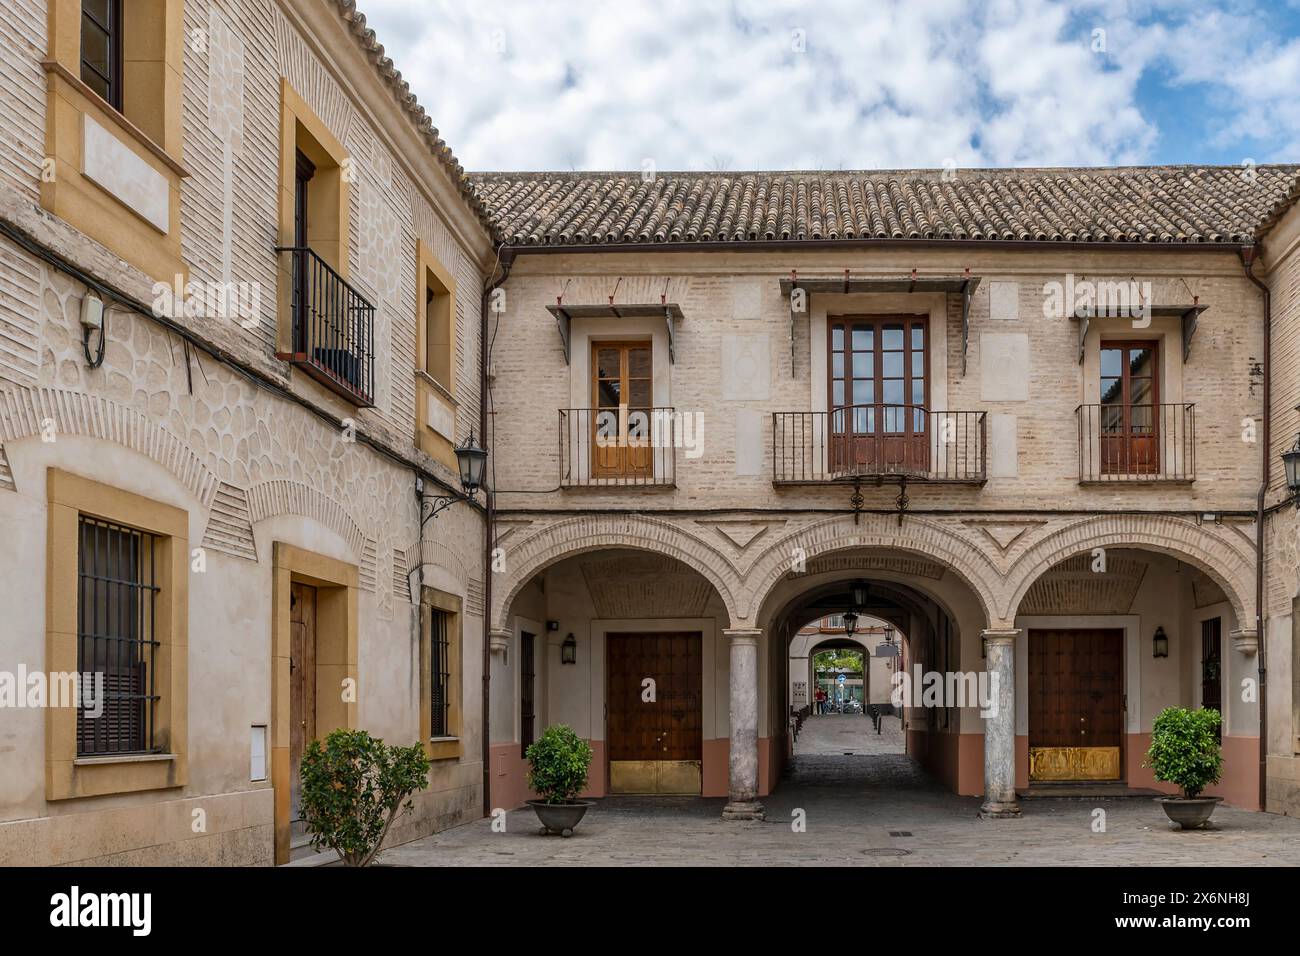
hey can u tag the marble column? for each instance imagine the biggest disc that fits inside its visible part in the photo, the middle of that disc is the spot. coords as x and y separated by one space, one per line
1000 726
742 762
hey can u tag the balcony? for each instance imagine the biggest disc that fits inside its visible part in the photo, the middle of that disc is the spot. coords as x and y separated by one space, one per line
1133 444
333 329
878 441
618 447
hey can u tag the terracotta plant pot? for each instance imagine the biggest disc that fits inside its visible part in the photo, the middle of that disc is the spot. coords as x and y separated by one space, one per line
1189 813
560 818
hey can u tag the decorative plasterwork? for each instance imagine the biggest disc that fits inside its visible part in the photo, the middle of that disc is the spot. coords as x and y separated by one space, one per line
230 528
1004 533
742 533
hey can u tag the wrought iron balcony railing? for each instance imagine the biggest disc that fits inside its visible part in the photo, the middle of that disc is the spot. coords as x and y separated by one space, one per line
333 328
877 441
632 447
1137 443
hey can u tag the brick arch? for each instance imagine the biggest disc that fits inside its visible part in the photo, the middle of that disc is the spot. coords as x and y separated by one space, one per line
573 536
918 536
1228 563
23 410
283 496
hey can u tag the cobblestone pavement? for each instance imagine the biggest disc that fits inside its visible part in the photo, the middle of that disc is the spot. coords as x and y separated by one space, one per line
841 734
863 810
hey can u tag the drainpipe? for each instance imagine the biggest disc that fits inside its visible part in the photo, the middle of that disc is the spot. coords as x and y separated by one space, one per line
1248 256
506 259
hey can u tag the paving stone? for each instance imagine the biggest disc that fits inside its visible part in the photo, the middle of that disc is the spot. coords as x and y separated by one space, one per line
851 803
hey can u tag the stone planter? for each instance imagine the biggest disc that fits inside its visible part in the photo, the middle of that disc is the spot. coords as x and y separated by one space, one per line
560 818
1189 814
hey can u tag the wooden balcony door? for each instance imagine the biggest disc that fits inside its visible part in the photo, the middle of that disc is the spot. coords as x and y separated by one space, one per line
1076 704
622 410
1130 408
879 388
655 731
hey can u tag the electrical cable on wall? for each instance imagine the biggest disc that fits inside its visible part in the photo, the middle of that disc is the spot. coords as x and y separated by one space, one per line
96 360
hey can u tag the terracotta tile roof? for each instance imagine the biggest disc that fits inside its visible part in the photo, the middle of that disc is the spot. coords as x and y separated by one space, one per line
1280 209
1158 204
390 74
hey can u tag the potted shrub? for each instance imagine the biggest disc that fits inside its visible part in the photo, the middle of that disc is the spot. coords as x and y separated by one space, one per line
558 762
1185 751
353 788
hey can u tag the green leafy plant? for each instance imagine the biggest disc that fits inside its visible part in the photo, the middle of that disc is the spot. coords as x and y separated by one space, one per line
558 762
353 788
1185 749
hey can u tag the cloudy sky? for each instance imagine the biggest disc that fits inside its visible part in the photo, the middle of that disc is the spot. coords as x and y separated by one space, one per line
850 84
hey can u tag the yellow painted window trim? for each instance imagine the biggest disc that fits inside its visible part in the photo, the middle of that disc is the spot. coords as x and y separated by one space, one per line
151 128
68 776
430 264
106 113
437 386
427 387
450 746
295 112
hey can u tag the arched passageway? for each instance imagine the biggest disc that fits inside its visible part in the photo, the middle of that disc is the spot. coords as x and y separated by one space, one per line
903 620
971 624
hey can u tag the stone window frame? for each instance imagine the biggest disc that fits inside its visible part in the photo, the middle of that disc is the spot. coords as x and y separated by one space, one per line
302 131
584 331
824 308
451 745
67 775
148 128
435 402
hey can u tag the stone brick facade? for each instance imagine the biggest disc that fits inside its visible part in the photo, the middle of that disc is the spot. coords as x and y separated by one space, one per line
203 415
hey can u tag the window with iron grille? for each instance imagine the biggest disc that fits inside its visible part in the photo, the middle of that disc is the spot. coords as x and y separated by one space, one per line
101 49
439 675
115 637
527 675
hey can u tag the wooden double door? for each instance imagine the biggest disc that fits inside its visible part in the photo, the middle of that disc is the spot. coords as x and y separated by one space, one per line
1076 704
654 712
878 393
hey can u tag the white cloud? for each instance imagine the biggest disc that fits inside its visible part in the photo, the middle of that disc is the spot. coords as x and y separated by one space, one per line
890 83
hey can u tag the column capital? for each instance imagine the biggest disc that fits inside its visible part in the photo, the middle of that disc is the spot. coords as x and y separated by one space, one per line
743 635
1000 635
499 639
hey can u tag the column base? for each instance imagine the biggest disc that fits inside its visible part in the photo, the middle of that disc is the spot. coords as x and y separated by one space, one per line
1000 810
743 810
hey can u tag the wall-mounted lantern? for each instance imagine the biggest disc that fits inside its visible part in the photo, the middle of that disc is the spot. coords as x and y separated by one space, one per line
569 650
1160 643
472 461
1291 464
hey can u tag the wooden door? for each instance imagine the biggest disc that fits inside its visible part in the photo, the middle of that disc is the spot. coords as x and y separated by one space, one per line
655 730
302 693
878 394
622 409
1130 408
1076 704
